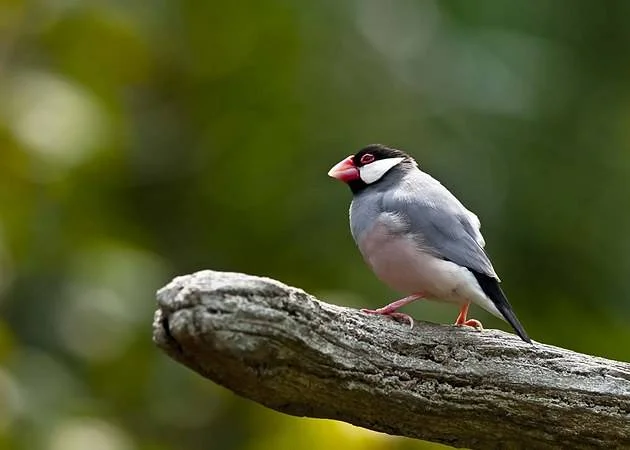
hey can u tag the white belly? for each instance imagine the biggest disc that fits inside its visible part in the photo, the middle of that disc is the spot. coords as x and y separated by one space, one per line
400 262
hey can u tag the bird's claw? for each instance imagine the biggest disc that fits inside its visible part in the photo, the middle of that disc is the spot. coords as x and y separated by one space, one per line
474 323
395 315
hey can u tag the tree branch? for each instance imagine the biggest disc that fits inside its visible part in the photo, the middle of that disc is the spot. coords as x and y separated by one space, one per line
281 347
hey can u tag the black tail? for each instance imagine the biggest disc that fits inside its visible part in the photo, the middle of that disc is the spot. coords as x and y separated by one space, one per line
491 288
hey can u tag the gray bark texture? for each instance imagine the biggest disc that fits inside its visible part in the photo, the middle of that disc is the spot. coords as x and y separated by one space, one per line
281 347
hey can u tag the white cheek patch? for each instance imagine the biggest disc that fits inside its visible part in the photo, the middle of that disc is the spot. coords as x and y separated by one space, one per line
375 170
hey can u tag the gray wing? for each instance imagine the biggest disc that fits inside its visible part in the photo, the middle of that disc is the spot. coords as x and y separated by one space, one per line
443 226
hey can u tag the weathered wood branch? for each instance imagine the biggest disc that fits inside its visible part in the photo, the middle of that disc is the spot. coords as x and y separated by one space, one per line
281 347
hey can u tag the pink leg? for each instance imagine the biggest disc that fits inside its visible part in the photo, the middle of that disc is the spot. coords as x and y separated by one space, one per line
462 320
390 310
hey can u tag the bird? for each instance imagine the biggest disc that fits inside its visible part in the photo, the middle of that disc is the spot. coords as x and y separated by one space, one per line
418 238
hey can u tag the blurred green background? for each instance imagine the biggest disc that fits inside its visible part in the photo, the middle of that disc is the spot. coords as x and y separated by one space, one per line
144 140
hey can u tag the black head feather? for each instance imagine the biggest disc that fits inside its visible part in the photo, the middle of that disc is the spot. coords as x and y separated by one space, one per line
379 151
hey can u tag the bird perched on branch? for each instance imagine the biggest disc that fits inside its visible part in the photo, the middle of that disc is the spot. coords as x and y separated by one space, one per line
418 238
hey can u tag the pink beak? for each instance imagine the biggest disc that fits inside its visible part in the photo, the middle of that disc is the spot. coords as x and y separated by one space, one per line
345 170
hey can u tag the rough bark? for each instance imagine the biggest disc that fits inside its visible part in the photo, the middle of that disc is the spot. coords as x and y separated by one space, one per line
281 347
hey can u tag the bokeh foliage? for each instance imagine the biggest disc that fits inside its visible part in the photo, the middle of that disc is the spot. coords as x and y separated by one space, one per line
142 140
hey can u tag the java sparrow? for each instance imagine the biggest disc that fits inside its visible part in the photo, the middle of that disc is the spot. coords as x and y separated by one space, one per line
418 238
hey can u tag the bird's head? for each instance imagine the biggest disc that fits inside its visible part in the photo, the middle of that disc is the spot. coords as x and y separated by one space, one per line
368 166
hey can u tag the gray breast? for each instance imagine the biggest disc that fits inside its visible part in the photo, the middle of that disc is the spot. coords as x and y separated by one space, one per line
364 210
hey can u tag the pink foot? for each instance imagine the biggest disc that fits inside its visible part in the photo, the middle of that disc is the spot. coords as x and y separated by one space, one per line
463 321
391 313
390 310
471 323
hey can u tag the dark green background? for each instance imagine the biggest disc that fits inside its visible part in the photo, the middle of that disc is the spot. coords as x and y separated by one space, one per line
143 140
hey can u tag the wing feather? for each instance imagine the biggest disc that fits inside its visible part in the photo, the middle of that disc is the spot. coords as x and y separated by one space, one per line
441 225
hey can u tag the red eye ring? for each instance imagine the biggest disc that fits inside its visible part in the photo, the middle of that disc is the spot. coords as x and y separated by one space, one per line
367 158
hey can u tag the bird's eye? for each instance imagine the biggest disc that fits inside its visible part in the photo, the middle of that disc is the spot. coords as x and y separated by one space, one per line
367 158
